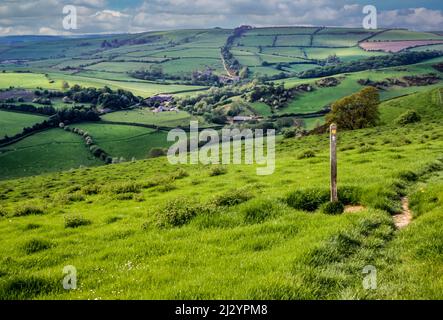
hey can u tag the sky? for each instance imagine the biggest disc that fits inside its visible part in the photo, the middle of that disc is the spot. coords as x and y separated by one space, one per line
45 17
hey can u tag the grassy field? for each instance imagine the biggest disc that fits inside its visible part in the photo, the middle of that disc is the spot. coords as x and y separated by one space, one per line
259 248
405 35
147 229
54 81
125 141
144 116
27 81
345 54
143 89
321 97
44 152
261 108
12 123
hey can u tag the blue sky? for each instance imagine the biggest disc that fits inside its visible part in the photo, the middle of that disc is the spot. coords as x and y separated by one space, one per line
115 16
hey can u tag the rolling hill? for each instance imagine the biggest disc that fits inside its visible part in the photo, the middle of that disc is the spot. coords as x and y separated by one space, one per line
84 180
244 238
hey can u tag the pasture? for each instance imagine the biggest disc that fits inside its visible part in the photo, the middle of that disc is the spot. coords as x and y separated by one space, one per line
256 247
147 229
49 151
145 116
27 81
125 141
12 123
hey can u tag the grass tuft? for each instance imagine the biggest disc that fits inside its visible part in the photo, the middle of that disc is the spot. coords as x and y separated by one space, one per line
21 288
27 210
332 208
35 245
307 154
307 199
260 210
76 221
231 198
178 212
218 171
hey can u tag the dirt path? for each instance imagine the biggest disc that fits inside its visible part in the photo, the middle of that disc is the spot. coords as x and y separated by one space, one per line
228 72
403 219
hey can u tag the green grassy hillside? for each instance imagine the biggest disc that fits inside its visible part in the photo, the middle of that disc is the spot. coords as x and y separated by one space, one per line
12 123
48 151
152 230
99 61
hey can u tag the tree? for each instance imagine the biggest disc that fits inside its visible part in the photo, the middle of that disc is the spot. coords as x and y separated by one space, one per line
65 85
357 111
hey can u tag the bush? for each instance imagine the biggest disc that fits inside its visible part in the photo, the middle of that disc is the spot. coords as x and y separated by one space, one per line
232 198
35 245
290 132
410 116
178 212
308 199
357 111
306 154
27 210
259 210
218 171
157 152
333 208
76 221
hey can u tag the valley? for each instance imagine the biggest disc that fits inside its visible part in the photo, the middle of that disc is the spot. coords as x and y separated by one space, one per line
85 181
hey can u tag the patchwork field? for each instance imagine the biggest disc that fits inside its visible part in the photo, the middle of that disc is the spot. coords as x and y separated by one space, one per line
249 242
167 119
397 46
91 187
125 142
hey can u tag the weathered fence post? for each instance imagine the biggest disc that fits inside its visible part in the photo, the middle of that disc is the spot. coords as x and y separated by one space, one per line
333 141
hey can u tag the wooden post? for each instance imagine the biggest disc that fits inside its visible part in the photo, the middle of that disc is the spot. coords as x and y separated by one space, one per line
333 141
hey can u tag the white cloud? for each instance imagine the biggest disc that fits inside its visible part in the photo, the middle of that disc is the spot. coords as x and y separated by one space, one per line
416 18
95 16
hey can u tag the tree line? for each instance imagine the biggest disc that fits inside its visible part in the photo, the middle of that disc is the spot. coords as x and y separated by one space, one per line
61 117
377 62
105 97
45 110
95 150
231 63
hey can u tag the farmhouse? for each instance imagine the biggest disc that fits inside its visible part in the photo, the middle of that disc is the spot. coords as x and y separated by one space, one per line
160 98
240 119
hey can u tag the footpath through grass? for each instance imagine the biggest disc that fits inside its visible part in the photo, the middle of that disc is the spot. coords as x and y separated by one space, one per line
152 230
